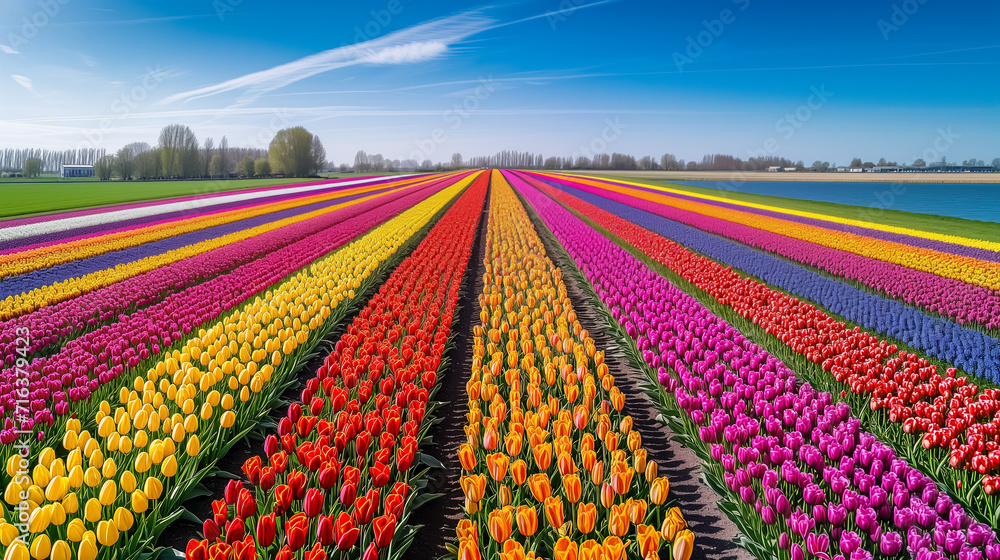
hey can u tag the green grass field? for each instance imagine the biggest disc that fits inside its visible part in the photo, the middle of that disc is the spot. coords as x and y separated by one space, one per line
37 196
947 225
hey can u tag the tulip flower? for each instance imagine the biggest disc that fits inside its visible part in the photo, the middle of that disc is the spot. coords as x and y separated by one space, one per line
553 507
385 529
565 549
499 524
586 518
266 530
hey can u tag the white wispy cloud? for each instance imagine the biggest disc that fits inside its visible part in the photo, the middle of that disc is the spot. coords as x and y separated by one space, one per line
416 44
24 82
9 50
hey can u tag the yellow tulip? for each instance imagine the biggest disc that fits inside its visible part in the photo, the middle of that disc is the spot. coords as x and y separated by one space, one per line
142 462
39 519
110 468
139 502
70 503
74 459
92 477
153 488
193 446
75 476
169 466
125 445
8 533
96 458
61 551
128 481
17 552
109 491
107 532
156 452
57 514
123 519
87 549
36 494
15 464
227 419
46 456
75 530
40 547
141 438
93 512
40 475
106 426
13 493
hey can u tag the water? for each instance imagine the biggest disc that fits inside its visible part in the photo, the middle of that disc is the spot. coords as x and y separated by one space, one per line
972 201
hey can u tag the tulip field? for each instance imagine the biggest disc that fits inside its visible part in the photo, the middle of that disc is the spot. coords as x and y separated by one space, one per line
449 366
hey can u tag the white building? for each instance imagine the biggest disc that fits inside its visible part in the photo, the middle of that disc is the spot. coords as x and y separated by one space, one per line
77 171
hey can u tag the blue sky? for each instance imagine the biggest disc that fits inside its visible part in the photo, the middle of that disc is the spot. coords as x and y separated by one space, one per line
874 78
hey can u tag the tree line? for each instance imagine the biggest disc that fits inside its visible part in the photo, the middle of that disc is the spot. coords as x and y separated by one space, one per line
294 152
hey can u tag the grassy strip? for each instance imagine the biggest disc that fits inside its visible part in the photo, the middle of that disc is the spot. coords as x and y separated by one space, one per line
946 225
22 199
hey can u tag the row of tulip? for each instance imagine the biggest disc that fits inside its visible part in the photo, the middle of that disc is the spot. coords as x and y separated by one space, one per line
86 266
173 423
536 372
82 366
910 393
26 228
826 221
65 236
26 302
966 348
339 473
798 472
877 265
82 247
63 321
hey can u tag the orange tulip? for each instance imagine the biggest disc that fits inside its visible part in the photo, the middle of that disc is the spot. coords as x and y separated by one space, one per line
611 441
572 488
639 459
474 486
617 399
649 541
519 471
607 495
497 464
543 455
467 530
659 489
651 471
500 522
683 545
618 521
586 518
566 465
512 550
591 550
540 486
527 520
513 443
505 495
597 473
491 437
566 549
554 512
614 548
467 457
637 510
621 478
588 457
468 550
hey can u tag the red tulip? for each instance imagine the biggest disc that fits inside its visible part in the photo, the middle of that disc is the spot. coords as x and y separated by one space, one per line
232 491
246 506
279 461
235 530
267 478
297 481
220 512
394 505
379 473
219 551
196 550
328 476
266 530
364 509
211 530
385 529
348 492
282 499
313 503
361 443
371 553
245 550
324 530
251 467
345 531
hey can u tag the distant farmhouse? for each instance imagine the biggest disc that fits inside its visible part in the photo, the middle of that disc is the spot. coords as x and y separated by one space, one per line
77 171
